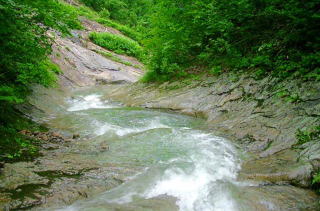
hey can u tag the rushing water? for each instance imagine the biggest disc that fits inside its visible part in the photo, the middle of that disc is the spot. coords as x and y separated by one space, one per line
176 155
177 162
179 158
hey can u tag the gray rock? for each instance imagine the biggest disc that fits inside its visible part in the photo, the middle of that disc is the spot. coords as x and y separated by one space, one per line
240 109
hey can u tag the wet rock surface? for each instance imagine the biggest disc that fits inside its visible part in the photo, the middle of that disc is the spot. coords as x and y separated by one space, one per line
275 197
161 203
252 113
47 136
57 178
281 168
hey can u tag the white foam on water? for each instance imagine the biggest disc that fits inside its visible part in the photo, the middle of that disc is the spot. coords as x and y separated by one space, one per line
214 163
198 178
269 205
103 128
88 102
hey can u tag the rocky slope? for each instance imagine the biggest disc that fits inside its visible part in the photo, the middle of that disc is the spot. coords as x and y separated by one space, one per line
83 66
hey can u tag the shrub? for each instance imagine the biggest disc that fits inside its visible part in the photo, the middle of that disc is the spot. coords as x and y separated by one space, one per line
122 28
24 50
278 38
118 44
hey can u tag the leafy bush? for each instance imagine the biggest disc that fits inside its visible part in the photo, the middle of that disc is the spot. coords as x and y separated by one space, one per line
316 178
54 14
102 19
272 37
15 147
24 45
122 28
24 50
117 9
127 12
117 43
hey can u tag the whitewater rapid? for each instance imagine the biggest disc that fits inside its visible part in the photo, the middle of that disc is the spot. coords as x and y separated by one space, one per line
193 166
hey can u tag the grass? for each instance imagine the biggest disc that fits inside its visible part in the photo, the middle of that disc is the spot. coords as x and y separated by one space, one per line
116 59
124 29
118 44
316 182
92 15
308 135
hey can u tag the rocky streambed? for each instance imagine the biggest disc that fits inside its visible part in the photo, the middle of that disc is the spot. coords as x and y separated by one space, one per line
107 156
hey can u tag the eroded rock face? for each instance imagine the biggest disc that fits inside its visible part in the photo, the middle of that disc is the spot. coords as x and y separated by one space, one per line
56 179
20 174
80 63
264 198
84 67
280 168
252 112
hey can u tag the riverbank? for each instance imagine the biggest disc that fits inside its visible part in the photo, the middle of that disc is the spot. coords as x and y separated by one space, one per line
262 118
125 156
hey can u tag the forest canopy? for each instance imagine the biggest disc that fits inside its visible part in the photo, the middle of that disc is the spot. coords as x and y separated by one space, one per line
267 36
263 36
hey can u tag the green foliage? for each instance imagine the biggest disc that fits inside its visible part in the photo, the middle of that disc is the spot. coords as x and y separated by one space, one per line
17 147
117 7
115 58
13 145
294 98
117 43
316 178
216 70
307 136
103 19
87 12
316 182
24 50
122 28
278 38
289 97
24 45
127 12
54 14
